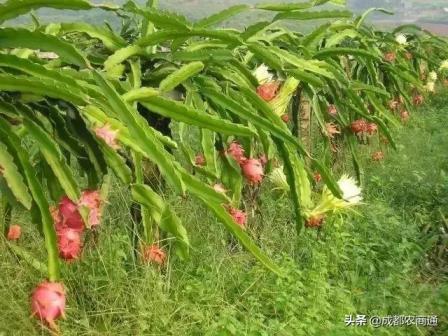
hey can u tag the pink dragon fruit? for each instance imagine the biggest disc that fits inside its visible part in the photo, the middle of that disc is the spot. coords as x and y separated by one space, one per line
236 151
48 302
70 215
239 217
268 91
69 244
253 170
154 254
14 232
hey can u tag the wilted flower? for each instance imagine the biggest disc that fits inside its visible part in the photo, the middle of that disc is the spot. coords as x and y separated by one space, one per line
332 110
331 130
401 39
404 115
394 104
262 74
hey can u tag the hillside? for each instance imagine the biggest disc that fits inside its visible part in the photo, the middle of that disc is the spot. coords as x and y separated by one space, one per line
429 15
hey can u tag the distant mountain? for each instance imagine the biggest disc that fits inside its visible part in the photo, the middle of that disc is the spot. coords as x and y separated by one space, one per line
430 14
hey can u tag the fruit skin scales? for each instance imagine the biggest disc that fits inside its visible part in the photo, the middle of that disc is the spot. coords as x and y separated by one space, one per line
48 302
69 244
236 151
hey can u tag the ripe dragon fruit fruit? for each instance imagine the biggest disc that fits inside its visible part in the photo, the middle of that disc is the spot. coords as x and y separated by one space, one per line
236 151
268 91
332 130
108 135
14 232
315 221
394 104
359 126
48 302
69 244
154 254
70 215
371 128
239 217
253 170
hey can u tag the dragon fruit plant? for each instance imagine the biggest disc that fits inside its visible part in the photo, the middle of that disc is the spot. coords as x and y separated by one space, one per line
80 103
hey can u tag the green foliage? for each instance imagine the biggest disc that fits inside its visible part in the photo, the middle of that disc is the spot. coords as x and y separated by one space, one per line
83 97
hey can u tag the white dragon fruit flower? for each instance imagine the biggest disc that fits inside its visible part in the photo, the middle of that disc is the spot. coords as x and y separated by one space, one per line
262 74
401 39
444 65
433 76
351 192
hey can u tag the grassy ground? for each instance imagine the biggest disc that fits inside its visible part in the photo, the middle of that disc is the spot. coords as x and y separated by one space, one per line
390 260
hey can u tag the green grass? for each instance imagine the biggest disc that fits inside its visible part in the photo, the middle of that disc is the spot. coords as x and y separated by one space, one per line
389 260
